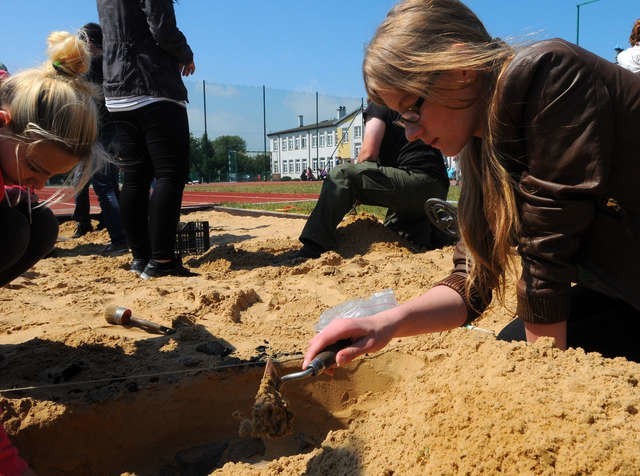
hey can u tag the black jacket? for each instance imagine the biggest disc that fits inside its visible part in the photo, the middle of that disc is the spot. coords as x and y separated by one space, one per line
142 49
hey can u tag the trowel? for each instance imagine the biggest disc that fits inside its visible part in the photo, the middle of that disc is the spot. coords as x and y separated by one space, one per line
325 359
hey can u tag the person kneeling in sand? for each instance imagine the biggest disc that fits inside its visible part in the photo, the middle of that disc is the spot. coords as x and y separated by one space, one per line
391 172
550 172
48 125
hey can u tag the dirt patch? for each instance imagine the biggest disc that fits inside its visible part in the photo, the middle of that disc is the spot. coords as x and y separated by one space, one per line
131 402
270 417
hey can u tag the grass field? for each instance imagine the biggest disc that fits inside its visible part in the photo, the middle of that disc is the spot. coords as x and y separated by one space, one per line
299 207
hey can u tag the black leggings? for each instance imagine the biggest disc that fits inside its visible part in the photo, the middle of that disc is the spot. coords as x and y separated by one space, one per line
152 143
597 323
23 244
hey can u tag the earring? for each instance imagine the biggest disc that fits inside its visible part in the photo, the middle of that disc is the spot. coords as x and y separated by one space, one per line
18 174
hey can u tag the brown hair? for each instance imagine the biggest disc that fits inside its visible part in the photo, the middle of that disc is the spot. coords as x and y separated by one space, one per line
634 38
418 40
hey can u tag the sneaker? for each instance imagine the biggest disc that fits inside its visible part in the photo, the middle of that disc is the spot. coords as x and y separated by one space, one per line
170 268
115 249
82 229
138 265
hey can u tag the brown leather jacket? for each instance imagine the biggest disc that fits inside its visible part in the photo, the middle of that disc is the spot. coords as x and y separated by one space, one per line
570 138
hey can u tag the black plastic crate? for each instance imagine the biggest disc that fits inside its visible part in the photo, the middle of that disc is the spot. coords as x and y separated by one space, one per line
192 237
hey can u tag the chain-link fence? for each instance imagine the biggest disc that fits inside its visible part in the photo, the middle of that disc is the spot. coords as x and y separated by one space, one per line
290 131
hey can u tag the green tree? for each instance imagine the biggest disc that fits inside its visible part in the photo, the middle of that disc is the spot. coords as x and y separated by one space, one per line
229 150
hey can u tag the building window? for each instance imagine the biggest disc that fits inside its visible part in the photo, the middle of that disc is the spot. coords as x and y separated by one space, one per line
314 164
275 144
329 139
290 166
290 143
322 140
357 132
298 166
274 166
303 142
285 167
335 136
345 135
314 140
284 143
356 149
297 142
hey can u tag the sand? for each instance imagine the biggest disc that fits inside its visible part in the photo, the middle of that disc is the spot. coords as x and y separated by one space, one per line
98 398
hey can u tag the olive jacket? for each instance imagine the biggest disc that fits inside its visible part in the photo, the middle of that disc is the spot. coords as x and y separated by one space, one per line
568 132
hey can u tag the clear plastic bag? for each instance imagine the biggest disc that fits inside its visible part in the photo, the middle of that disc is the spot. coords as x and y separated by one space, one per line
377 302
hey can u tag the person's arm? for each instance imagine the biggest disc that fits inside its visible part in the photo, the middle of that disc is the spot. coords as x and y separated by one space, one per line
11 464
441 308
557 331
373 135
161 19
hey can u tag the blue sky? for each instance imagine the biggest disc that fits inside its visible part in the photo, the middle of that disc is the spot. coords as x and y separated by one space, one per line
308 46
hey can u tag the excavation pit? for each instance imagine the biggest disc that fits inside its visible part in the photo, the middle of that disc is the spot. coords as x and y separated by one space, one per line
191 426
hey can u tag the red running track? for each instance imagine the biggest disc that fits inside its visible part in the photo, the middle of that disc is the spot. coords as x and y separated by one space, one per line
190 199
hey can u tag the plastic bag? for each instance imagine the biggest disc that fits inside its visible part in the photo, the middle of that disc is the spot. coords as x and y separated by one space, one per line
360 307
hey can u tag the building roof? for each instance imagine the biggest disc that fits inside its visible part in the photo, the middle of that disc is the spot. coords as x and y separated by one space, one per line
319 125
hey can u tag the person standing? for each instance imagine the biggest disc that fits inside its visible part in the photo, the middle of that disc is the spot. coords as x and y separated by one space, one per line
104 180
630 58
144 54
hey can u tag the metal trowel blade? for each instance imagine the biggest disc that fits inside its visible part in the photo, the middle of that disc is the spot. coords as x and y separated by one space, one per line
271 373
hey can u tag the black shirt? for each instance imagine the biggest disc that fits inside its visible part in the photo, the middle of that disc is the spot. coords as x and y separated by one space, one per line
397 151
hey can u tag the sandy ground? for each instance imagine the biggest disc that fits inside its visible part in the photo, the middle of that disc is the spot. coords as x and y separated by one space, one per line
96 398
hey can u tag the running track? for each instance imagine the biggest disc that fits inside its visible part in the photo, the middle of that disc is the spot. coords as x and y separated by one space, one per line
190 200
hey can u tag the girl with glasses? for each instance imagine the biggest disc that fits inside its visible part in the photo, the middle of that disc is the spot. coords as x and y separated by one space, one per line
547 138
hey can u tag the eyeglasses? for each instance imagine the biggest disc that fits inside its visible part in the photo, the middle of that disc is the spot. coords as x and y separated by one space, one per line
411 115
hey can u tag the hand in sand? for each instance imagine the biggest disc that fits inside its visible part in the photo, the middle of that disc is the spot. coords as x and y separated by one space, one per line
368 334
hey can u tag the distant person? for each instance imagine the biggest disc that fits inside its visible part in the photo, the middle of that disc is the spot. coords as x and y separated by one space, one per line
4 72
144 55
548 140
390 172
105 180
48 125
309 174
630 58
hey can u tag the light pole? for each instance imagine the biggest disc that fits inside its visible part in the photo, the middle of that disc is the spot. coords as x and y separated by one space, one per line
578 19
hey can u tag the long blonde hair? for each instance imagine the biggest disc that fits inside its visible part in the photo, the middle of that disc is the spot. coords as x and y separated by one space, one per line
418 40
53 103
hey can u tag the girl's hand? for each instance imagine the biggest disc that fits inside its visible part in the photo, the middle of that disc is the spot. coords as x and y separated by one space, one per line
187 69
368 334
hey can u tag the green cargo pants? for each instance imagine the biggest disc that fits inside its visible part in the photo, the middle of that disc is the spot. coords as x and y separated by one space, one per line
402 191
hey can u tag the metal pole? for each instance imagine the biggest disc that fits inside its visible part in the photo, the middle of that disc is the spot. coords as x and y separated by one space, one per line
204 100
578 25
578 18
317 131
264 130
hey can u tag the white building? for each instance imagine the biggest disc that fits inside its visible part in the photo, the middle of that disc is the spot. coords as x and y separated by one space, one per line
319 146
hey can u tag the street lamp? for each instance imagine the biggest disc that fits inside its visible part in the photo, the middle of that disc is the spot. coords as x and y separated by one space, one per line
578 19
